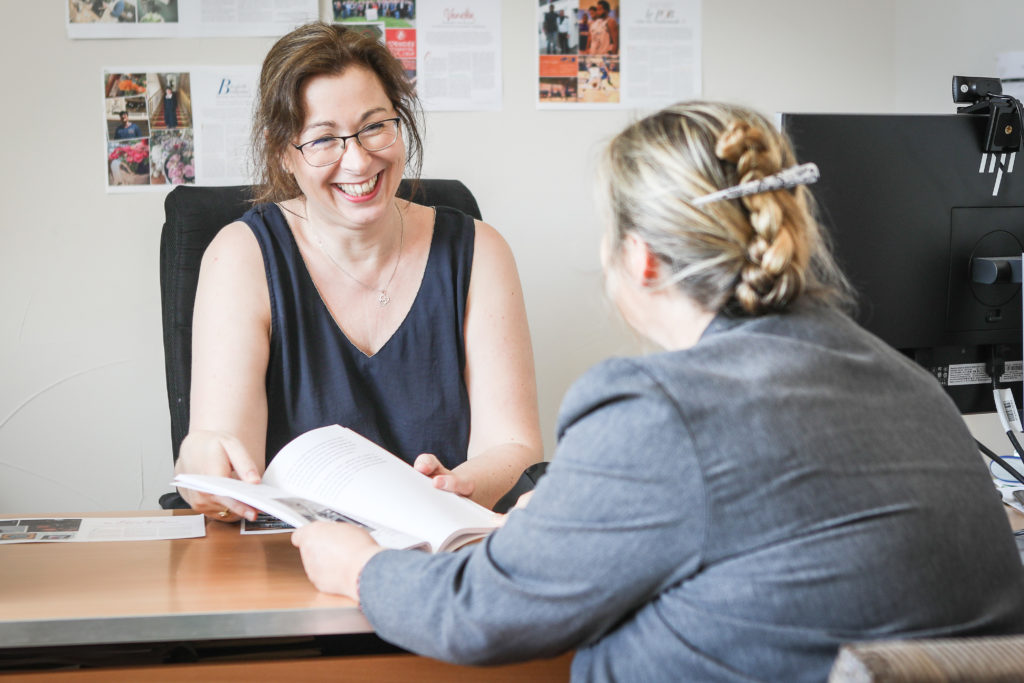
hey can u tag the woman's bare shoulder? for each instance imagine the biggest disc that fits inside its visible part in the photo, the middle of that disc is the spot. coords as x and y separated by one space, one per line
490 246
234 243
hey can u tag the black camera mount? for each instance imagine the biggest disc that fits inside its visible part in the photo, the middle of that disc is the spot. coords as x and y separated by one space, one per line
985 96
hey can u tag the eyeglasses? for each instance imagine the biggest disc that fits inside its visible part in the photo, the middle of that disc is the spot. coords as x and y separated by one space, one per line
328 149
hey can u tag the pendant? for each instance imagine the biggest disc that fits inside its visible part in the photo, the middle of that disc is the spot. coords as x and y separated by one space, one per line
383 299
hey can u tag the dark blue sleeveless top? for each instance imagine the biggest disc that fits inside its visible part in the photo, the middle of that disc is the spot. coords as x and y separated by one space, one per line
410 397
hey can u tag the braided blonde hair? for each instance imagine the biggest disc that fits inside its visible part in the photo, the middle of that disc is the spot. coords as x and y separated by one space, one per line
753 255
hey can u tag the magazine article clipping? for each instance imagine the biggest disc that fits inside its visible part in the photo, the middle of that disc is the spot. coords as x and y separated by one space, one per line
617 53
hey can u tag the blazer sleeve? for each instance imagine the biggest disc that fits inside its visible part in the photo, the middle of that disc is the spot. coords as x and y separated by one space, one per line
618 518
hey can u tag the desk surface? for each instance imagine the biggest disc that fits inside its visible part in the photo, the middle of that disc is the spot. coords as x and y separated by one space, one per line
225 585
1016 518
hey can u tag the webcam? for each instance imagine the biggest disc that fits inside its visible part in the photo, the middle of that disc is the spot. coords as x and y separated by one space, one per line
973 89
985 96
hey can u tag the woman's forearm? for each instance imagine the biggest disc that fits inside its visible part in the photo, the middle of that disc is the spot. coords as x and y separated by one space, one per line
495 471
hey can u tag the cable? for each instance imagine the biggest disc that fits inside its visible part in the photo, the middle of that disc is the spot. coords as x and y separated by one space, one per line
999 461
1006 406
1016 444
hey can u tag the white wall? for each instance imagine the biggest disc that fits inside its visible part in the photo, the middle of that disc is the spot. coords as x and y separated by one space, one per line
83 416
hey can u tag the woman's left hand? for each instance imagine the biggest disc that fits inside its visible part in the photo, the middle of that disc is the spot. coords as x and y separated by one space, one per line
443 478
334 554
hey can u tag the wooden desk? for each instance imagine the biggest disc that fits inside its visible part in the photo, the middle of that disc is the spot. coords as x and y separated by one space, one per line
223 586
249 592
1016 518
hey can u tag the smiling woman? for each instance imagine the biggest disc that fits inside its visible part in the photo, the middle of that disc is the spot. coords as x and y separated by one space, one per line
333 302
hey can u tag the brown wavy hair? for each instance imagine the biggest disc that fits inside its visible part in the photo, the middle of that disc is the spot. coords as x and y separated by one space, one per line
753 255
318 49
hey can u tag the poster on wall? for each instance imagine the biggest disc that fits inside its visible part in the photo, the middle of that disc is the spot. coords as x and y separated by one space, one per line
458 55
169 127
186 18
597 54
391 23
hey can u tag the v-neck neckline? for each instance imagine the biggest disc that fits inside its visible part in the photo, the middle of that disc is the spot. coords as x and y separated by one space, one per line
327 309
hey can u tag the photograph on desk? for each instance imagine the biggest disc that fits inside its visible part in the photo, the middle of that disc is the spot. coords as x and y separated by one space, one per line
265 524
41 525
334 474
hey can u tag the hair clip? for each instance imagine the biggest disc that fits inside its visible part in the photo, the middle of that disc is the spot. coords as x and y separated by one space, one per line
804 174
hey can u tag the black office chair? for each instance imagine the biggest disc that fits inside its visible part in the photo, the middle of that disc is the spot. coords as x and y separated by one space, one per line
193 215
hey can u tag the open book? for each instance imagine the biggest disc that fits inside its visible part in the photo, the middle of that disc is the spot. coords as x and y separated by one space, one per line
334 473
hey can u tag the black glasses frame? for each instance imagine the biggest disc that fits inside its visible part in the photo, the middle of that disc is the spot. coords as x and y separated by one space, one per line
345 138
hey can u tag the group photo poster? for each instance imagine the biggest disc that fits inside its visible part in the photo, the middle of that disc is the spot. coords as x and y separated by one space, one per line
183 126
390 23
186 18
617 53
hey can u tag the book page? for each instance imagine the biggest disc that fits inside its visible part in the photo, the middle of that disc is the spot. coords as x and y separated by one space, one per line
340 469
293 510
260 496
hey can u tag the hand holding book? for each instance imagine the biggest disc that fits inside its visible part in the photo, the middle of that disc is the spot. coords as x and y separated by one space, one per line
333 471
442 477
334 555
217 454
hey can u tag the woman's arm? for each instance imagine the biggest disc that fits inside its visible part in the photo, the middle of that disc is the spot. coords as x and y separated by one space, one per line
505 425
619 518
230 348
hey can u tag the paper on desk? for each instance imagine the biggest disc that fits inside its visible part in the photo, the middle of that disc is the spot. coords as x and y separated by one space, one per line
265 524
1006 490
79 529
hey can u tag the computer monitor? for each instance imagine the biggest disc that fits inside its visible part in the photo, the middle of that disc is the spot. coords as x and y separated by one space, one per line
909 201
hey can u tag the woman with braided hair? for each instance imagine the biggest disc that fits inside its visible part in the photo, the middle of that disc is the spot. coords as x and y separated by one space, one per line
771 484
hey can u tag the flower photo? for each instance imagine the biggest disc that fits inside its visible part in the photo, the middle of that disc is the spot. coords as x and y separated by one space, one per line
128 162
173 158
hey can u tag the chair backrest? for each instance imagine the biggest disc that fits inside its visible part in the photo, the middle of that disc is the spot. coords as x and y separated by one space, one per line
193 215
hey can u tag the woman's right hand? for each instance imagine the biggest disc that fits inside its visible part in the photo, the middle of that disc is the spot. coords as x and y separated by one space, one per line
218 454
442 477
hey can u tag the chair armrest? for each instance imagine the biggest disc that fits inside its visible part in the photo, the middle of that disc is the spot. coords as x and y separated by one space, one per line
978 659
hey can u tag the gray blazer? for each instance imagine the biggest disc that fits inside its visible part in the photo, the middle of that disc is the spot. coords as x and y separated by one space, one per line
734 511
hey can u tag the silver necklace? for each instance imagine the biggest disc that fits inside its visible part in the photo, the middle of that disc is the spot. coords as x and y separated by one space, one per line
382 299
